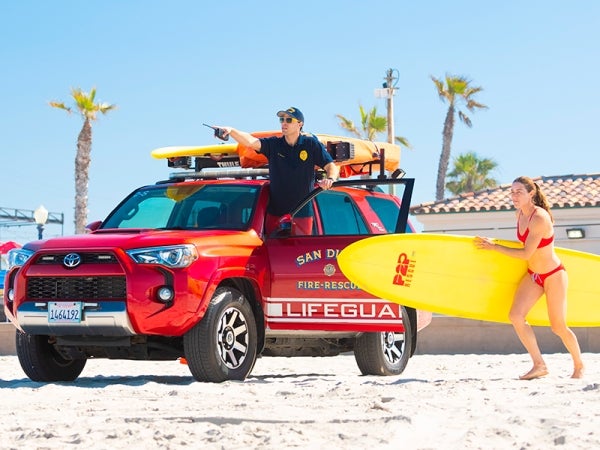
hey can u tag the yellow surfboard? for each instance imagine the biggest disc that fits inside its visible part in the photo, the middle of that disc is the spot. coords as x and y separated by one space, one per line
447 274
203 150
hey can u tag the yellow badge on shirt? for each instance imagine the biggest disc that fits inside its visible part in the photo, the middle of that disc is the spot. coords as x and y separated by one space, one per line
303 155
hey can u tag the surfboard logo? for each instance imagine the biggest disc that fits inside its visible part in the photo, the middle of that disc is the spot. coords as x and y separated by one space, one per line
303 155
404 270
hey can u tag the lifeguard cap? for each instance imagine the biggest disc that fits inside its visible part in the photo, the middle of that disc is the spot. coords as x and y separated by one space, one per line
292 112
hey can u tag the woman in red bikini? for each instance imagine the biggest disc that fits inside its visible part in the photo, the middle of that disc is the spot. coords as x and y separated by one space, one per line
546 274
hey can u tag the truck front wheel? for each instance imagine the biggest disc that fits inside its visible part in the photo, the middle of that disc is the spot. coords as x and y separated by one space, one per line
41 361
222 346
384 353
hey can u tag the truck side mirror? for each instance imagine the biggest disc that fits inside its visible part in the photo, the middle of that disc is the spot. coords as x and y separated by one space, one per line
284 226
93 226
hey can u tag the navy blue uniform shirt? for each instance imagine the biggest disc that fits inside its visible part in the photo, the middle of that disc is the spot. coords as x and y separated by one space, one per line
292 169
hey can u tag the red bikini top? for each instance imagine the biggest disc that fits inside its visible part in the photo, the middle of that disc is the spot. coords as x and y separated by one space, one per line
523 237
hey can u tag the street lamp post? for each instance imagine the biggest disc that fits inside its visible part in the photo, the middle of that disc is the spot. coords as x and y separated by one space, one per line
40 215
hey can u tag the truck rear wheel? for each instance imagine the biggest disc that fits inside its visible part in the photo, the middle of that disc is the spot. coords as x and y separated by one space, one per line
384 353
222 346
41 361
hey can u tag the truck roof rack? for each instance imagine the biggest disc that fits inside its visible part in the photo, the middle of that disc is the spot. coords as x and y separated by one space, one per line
212 173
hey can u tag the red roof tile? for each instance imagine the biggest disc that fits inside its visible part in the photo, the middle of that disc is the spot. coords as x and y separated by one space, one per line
563 191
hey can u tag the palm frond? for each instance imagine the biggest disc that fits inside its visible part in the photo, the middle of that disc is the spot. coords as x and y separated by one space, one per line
465 119
402 141
60 105
106 107
440 88
472 105
348 125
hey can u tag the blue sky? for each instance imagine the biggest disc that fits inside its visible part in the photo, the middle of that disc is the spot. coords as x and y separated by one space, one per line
172 65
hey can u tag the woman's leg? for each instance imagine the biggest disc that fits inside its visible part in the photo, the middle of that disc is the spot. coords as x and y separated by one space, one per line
556 298
528 293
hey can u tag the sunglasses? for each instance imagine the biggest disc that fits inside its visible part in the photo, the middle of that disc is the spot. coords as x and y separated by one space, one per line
287 119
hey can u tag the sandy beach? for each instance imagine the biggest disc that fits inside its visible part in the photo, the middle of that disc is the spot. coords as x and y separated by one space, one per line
440 402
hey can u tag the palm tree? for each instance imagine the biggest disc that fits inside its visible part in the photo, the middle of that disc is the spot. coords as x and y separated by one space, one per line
85 104
370 126
470 174
453 89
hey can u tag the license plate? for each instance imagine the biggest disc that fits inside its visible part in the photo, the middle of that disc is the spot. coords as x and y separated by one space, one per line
64 312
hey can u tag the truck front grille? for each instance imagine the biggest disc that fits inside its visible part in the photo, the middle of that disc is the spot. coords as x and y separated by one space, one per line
77 288
86 258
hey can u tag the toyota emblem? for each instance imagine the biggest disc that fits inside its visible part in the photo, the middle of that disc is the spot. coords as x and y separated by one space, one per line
72 260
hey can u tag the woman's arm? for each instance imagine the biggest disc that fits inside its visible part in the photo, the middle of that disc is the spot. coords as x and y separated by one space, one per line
538 227
485 243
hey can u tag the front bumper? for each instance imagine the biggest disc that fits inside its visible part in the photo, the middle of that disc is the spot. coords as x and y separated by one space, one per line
98 319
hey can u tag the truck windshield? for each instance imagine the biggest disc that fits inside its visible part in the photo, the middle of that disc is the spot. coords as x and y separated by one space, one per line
189 207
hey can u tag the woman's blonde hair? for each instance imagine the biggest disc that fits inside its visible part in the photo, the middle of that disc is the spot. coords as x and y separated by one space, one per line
539 199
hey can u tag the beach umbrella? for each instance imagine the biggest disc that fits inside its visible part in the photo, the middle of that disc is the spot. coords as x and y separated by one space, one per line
8 245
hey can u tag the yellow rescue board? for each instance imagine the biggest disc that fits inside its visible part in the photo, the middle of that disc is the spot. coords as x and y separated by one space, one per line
204 150
447 274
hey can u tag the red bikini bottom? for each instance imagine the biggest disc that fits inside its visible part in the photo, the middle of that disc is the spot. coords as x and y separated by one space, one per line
540 278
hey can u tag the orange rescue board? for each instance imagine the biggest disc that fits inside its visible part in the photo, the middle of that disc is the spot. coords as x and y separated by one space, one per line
364 152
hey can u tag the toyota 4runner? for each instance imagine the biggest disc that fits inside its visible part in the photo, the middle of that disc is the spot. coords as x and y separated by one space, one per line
182 269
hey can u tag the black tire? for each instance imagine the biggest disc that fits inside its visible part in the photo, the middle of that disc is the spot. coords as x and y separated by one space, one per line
384 353
223 345
41 361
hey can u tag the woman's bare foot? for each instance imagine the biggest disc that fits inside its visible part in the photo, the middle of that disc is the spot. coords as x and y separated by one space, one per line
536 372
578 372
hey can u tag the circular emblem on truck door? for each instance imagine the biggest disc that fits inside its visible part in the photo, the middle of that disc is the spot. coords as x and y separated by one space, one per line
72 260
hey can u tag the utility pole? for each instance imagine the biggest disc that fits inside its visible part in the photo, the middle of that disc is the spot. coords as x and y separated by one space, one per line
389 83
389 88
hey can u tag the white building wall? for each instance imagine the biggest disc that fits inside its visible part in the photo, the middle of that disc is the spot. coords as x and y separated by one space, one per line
502 225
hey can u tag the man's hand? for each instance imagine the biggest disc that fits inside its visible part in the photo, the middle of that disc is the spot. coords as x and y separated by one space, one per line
225 131
325 183
242 137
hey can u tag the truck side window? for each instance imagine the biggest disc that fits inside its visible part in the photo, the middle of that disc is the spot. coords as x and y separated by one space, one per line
388 212
339 214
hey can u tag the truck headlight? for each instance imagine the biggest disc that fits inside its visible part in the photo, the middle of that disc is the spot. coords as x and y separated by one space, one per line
18 257
175 256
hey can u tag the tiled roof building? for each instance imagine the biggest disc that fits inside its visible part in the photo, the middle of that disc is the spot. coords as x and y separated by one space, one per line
574 201
564 191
